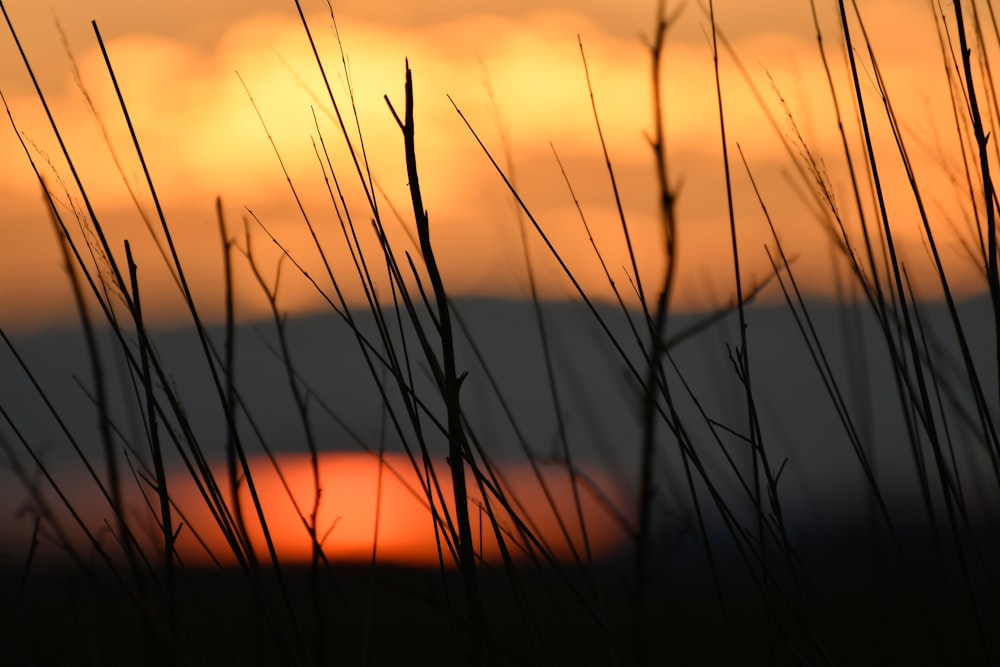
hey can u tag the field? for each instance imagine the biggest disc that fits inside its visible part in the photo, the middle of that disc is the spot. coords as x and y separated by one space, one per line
294 440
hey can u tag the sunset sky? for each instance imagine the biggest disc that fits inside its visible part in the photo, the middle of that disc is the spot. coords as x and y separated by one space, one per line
180 64
210 85
363 501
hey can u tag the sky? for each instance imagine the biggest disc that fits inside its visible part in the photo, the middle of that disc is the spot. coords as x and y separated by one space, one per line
365 500
206 83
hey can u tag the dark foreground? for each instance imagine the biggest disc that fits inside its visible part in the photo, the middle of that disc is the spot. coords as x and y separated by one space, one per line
860 604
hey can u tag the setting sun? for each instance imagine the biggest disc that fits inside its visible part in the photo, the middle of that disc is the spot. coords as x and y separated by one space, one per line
377 510
499 332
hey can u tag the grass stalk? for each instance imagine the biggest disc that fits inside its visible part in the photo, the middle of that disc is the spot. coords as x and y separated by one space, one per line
448 381
707 478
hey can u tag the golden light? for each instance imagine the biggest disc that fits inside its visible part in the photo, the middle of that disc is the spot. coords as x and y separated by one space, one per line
379 510
519 78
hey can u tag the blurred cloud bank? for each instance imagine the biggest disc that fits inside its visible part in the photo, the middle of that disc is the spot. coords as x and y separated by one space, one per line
515 71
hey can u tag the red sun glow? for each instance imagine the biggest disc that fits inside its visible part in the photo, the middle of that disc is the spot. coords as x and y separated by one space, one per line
379 509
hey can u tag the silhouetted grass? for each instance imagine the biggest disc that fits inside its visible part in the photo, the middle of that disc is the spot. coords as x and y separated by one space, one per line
716 570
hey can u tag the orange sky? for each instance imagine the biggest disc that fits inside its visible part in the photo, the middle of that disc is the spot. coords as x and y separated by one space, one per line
357 512
178 62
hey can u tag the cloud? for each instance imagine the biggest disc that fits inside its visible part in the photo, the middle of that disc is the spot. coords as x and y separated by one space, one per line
518 77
